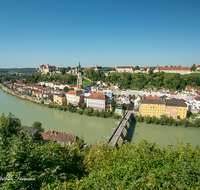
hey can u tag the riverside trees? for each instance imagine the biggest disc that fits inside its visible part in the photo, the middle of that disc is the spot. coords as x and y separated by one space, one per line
30 164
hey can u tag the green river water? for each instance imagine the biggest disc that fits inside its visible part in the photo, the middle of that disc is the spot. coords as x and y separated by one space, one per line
92 128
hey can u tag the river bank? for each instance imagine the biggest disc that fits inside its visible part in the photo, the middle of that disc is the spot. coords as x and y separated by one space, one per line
61 108
93 128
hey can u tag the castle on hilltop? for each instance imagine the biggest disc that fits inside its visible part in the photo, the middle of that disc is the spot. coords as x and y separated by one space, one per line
51 69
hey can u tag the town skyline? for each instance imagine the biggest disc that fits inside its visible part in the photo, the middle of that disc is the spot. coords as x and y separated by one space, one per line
107 33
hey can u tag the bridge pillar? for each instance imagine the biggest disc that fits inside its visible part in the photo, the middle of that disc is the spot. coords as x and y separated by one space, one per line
117 146
126 128
122 136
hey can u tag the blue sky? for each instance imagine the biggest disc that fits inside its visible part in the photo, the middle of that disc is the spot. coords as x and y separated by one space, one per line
99 32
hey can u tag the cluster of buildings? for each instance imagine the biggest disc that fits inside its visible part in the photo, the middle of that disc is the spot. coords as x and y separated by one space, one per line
152 103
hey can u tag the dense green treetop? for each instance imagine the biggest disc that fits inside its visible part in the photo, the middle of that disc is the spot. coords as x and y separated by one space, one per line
52 166
193 68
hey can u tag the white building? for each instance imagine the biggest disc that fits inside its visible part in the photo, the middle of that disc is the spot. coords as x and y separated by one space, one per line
197 103
180 70
97 68
121 69
47 69
75 97
98 101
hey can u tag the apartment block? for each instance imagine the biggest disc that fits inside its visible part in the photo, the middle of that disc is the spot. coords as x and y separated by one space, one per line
157 107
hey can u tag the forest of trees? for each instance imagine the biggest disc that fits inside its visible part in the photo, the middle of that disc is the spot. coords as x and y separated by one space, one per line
125 80
30 163
152 80
63 79
164 120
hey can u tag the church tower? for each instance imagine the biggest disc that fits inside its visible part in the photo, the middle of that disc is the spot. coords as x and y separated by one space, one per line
79 79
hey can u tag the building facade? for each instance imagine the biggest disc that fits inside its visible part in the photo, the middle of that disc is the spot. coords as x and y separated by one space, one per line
75 97
121 69
180 70
157 107
98 101
44 69
59 99
97 68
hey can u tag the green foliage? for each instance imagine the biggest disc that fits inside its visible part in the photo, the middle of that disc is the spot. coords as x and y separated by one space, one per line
88 111
38 125
50 105
137 68
9 125
60 107
83 106
66 89
63 79
96 113
113 105
80 112
147 119
193 67
70 107
12 81
42 102
109 114
86 82
132 166
142 166
62 71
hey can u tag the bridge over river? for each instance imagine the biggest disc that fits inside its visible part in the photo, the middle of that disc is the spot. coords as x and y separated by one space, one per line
119 130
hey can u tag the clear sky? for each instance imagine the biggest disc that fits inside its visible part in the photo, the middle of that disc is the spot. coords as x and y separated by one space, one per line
99 32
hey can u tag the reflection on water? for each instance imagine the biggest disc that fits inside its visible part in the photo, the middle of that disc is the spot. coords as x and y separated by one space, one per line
92 128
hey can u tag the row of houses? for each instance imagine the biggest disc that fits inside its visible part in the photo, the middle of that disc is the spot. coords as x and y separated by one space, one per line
169 107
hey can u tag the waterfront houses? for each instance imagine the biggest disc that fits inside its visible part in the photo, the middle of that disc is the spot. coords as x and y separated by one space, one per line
59 99
157 107
75 97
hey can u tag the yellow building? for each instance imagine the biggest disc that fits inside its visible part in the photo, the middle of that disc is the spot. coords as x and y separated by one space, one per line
59 99
157 107
182 112
152 107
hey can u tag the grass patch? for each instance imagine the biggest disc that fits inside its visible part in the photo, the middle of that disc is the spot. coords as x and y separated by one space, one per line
86 83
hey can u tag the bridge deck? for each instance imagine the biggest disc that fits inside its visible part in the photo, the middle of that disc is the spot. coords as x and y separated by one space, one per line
118 132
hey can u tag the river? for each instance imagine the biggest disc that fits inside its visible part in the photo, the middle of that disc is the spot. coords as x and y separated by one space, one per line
92 129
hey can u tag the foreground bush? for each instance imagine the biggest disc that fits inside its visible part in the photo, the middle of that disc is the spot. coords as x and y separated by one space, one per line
142 166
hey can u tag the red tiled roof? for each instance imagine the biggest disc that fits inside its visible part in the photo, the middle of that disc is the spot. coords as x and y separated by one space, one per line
97 96
72 92
190 88
72 85
150 97
87 69
58 136
175 68
125 67
79 86
155 97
